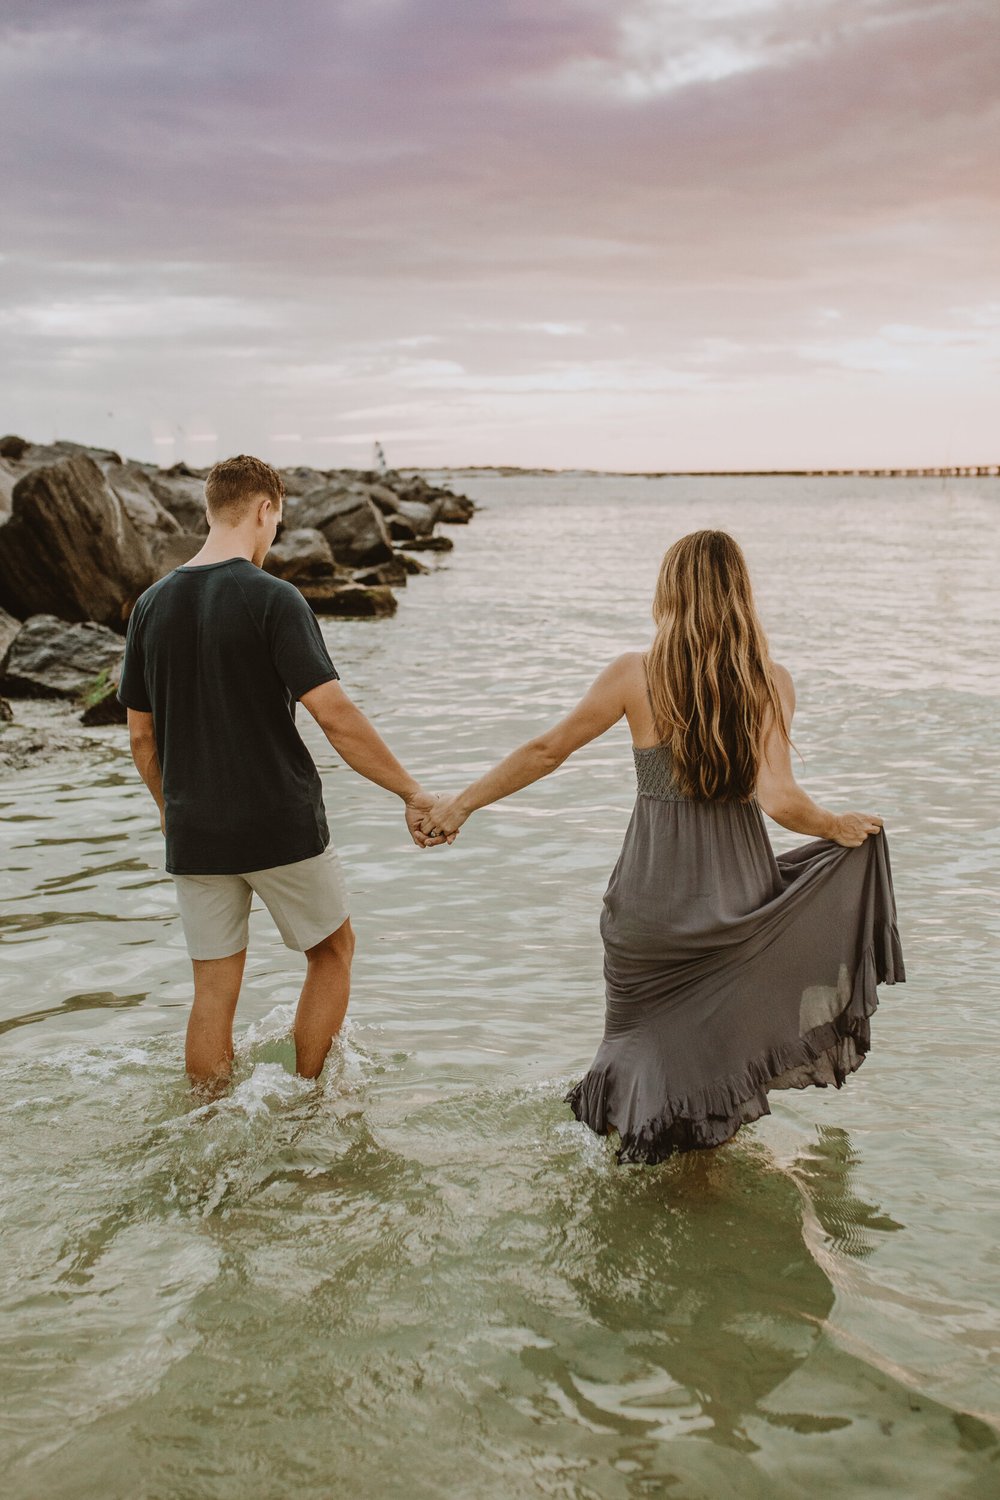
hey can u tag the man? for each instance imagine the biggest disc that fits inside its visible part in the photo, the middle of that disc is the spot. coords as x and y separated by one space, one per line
217 655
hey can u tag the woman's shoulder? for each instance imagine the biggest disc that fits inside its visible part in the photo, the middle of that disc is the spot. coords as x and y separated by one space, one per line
783 680
630 664
629 673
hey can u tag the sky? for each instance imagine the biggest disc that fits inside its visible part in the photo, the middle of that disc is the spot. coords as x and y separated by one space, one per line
619 234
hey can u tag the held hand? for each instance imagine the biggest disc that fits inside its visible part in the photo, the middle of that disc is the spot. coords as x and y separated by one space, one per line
417 809
852 829
444 819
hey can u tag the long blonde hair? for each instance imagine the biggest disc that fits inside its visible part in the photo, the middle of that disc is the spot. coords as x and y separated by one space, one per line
711 687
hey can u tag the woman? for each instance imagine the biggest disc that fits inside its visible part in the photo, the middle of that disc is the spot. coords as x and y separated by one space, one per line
728 971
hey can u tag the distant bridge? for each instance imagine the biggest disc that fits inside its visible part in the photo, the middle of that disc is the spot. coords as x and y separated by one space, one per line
946 471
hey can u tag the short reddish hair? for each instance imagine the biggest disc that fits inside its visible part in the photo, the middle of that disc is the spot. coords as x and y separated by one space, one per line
234 484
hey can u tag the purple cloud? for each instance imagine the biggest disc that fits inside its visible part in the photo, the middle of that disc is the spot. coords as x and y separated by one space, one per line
697 187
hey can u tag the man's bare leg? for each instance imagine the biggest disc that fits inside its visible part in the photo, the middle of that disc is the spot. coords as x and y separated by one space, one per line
323 1002
208 1054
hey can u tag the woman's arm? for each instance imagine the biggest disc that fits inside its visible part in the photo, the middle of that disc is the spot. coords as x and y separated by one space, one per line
780 795
601 706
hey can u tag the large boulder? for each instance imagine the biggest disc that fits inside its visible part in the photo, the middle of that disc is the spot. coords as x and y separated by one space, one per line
9 628
456 510
351 522
70 549
353 601
444 504
452 508
420 515
131 483
182 493
8 478
386 499
300 554
400 529
303 481
36 455
175 550
49 658
101 704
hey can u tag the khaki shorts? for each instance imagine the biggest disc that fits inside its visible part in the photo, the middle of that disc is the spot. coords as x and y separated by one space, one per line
307 899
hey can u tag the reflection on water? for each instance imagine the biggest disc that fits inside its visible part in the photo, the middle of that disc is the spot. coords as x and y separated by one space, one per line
421 1271
824 1169
104 999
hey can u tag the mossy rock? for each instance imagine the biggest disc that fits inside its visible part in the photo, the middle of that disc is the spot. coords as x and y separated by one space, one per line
100 702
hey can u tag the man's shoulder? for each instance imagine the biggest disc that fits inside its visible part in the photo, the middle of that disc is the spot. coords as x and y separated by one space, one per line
264 588
149 596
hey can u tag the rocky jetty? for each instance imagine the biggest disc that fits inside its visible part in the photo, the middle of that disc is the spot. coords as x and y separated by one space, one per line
83 532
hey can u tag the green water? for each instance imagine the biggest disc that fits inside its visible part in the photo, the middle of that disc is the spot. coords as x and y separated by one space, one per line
421 1277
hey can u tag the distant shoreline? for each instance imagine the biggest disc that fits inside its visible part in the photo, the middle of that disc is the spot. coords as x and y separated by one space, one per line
953 471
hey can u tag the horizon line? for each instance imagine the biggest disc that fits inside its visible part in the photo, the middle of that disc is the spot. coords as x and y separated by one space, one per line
878 471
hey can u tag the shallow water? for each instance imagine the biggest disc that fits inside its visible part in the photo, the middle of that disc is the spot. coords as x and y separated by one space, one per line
421 1275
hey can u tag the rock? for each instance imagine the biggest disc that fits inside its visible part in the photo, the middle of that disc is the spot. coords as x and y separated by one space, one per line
49 658
429 544
130 482
453 509
393 572
303 481
300 554
104 708
351 601
456 510
400 529
69 548
182 493
176 550
9 628
413 487
412 564
6 712
8 478
350 521
40 455
421 516
13 447
386 499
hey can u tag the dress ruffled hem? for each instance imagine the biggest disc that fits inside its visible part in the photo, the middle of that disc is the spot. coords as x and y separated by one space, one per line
712 1115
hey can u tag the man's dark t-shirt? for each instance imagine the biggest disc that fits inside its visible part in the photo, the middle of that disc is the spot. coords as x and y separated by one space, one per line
219 654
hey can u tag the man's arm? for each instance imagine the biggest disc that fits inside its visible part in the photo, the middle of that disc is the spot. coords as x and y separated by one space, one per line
358 742
142 743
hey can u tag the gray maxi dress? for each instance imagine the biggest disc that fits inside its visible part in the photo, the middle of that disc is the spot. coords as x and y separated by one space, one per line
729 971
